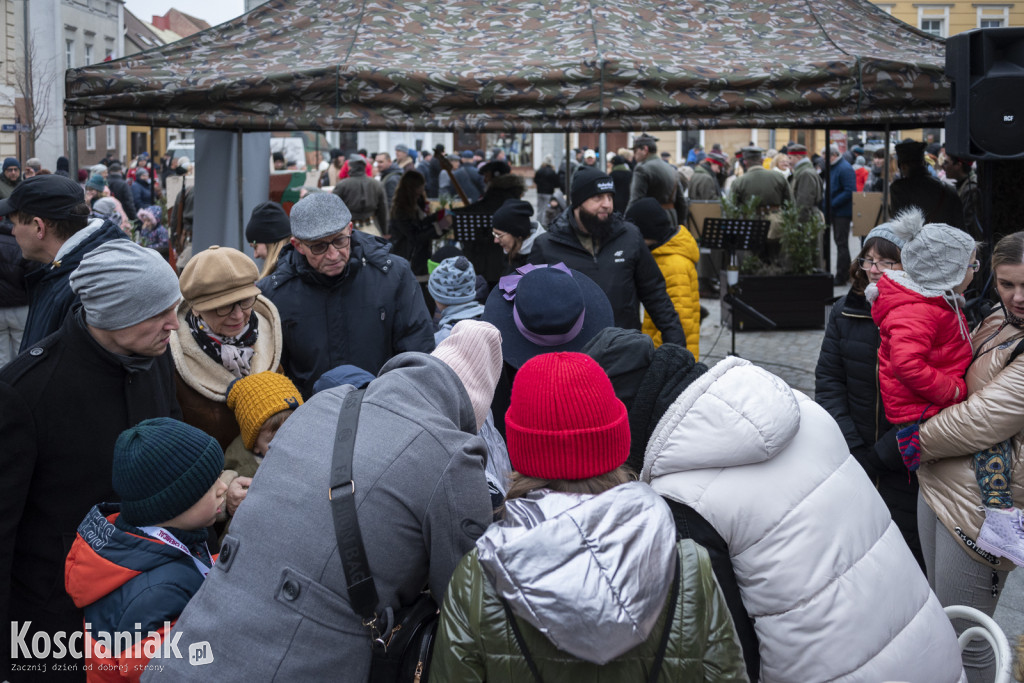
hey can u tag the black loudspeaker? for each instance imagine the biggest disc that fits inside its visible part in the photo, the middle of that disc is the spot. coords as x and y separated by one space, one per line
986 67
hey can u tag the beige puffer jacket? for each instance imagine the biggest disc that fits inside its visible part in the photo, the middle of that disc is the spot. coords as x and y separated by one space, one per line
993 412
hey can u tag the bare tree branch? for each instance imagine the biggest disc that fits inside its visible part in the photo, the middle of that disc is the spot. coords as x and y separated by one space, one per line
34 81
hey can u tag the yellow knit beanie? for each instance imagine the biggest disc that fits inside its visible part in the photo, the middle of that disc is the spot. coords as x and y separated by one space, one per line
256 398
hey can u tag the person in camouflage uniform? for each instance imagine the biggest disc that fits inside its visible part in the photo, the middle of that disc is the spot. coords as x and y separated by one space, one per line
655 178
770 188
808 188
706 183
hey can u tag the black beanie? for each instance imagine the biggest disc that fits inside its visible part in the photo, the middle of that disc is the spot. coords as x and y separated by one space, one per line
588 182
268 224
652 220
514 218
161 468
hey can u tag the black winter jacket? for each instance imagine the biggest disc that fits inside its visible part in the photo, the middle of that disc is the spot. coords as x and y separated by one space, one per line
546 179
49 288
62 406
846 377
371 312
13 268
122 191
623 268
846 385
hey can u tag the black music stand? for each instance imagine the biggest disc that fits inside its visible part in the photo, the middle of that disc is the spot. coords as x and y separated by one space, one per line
733 235
472 227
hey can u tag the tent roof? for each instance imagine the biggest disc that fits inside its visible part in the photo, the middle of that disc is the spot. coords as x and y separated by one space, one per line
529 66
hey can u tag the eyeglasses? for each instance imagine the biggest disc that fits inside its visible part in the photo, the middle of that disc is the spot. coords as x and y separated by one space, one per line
974 265
244 304
339 243
866 264
498 235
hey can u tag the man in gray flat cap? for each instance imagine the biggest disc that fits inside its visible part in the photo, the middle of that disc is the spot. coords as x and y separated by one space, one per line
344 298
63 403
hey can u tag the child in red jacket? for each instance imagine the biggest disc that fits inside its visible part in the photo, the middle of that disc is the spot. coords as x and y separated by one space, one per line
924 352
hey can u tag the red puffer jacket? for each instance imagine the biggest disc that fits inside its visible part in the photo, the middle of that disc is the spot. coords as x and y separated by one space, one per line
925 350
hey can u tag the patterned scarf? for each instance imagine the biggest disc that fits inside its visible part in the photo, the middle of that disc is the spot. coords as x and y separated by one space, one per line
234 353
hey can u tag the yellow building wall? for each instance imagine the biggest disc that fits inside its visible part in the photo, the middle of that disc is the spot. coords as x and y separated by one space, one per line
956 16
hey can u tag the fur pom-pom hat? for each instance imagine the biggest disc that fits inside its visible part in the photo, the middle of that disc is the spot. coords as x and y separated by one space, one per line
934 255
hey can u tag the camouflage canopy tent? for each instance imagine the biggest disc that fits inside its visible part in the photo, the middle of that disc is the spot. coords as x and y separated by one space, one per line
528 66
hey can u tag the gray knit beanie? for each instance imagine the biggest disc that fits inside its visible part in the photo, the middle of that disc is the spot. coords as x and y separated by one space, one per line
122 283
161 468
319 215
885 232
934 255
453 281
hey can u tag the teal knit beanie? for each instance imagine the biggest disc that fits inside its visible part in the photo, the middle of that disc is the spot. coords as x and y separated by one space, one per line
162 467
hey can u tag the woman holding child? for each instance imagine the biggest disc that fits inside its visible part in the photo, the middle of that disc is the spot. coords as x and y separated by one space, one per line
846 384
949 512
227 330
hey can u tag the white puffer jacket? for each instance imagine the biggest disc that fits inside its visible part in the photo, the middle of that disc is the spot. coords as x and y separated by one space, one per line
834 591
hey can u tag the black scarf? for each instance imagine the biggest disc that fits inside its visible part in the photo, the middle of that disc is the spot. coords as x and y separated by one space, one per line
213 346
672 369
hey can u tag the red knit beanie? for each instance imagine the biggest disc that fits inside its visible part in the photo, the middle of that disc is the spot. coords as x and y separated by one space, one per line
564 421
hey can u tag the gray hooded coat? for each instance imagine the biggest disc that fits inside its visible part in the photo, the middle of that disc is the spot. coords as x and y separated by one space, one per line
275 607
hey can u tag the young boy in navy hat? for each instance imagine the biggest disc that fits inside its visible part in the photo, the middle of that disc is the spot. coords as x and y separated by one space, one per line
135 565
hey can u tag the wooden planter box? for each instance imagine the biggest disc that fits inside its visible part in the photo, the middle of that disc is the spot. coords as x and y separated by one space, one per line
793 302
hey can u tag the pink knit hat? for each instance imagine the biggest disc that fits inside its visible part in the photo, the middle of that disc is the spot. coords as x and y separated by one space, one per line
473 351
564 421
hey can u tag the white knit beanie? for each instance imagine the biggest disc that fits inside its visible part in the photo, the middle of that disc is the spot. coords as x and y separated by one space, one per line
473 351
934 255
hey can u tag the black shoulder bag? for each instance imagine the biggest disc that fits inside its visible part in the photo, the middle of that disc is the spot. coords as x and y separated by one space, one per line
401 643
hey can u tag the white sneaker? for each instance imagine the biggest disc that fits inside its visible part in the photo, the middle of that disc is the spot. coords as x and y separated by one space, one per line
1002 534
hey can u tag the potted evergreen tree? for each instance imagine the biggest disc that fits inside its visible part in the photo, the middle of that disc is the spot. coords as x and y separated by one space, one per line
787 288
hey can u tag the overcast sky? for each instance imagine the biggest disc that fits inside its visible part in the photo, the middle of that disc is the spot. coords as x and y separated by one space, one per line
213 11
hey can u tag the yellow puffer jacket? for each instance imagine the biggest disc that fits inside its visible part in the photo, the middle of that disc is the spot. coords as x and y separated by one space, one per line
677 260
993 412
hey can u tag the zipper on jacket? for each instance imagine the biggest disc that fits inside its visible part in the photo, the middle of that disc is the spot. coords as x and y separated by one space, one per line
878 398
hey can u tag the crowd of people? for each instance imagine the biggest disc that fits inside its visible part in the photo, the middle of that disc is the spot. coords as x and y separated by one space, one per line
532 438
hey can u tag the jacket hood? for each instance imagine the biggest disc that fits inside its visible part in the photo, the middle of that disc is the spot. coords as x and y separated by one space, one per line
103 558
682 244
208 377
735 414
610 556
424 381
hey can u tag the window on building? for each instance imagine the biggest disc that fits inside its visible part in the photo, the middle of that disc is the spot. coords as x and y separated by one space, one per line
934 19
69 53
111 137
110 54
993 16
88 54
90 139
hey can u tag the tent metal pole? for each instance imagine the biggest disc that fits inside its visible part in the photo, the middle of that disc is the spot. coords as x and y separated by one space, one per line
568 167
73 150
241 209
885 171
826 242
